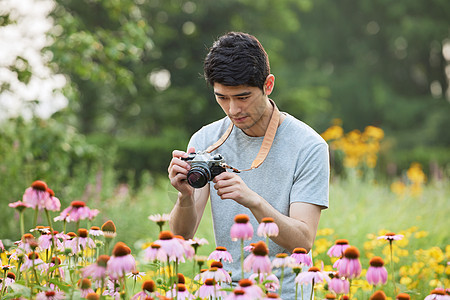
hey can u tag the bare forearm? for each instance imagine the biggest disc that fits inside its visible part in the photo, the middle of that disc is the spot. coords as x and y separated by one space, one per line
183 218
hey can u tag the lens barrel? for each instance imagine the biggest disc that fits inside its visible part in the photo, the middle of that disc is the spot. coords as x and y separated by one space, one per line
198 177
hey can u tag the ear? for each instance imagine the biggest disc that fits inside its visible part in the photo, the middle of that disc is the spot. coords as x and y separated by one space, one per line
269 84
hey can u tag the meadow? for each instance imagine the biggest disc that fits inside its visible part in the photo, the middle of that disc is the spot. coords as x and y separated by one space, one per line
362 208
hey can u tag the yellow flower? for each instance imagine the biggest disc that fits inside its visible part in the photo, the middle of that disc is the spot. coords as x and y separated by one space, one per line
437 254
434 283
398 188
325 232
415 173
321 246
405 280
333 133
420 234
374 132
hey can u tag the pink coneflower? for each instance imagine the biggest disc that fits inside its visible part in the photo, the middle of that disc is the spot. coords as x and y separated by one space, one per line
271 296
182 293
56 262
97 270
53 203
154 252
159 219
85 287
50 295
19 205
301 256
196 243
258 261
210 289
249 248
337 250
148 288
28 243
33 261
251 290
135 275
95 231
313 276
271 282
70 243
377 273
378 295
437 294
238 295
221 254
10 279
2 247
112 289
349 265
83 240
45 241
171 246
121 261
76 211
37 195
189 251
267 228
338 284
403 296
217 273
92 296
282 260
241 229
390 236
109 229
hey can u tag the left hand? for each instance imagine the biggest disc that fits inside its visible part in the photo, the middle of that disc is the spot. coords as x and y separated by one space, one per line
231 186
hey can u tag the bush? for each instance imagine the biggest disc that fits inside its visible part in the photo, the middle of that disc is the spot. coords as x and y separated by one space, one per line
51 151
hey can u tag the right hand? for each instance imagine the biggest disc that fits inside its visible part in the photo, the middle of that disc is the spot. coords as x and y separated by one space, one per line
178 170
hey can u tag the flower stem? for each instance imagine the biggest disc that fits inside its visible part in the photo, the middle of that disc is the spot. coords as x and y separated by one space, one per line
392 266
36 211
242 259
22 225
312 290
281 280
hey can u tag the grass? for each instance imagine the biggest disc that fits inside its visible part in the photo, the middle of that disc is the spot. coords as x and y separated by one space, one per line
357 208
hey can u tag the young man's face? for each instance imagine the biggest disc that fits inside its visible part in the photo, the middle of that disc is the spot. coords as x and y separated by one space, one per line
247 107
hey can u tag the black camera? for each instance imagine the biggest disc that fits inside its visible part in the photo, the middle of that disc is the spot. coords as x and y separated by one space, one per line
204 167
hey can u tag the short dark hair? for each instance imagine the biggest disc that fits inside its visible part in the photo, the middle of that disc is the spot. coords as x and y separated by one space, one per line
237 58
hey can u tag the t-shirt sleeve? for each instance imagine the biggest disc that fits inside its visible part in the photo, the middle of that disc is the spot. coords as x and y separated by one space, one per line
311 180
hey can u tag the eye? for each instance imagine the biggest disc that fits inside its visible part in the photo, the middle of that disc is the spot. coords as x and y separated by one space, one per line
243 98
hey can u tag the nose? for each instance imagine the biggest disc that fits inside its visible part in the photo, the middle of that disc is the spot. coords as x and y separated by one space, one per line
234 109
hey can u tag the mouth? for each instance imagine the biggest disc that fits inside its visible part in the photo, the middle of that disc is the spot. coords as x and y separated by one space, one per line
240 120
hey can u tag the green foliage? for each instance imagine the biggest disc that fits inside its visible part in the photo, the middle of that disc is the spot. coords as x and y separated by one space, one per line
50 151
368 63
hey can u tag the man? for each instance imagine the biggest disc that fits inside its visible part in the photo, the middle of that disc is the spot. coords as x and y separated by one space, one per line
290 185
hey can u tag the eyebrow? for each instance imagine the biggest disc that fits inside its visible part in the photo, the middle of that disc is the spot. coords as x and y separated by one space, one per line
237 95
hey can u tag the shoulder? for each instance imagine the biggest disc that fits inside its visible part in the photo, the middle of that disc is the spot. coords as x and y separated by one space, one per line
298 133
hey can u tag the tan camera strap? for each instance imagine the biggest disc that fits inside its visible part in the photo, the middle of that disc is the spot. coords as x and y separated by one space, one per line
269 136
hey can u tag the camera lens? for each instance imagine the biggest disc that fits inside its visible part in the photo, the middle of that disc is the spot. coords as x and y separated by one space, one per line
198 177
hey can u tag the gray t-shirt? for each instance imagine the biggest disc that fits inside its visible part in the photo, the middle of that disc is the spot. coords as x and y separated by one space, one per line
295 170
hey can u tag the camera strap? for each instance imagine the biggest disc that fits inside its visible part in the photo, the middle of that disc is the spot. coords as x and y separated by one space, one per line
269 136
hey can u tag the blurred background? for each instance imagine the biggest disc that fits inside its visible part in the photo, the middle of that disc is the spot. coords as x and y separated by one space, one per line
95 94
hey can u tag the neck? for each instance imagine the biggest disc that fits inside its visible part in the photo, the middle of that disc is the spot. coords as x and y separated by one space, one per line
260 127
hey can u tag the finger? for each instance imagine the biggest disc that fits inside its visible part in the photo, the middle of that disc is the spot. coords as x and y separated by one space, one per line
224 176
179 153
191 150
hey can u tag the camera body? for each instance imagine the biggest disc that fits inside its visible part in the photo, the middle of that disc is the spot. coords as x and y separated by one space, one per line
204 167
